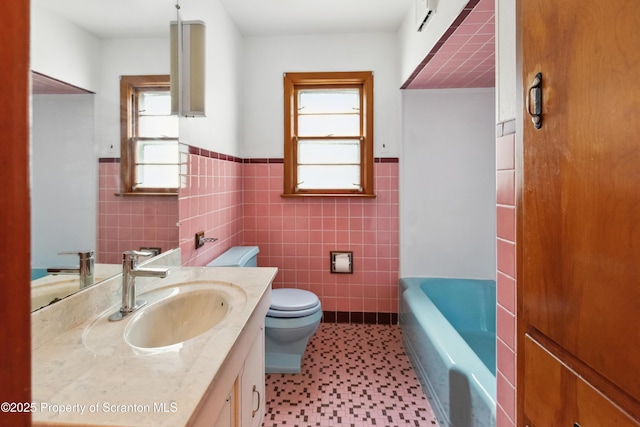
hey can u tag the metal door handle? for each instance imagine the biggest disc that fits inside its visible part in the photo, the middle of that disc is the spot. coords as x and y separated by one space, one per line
535 93
254 411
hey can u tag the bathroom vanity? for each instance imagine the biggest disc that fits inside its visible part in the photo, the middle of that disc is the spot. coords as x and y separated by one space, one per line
87 370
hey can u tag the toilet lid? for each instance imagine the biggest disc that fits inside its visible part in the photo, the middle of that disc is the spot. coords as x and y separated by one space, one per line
287 299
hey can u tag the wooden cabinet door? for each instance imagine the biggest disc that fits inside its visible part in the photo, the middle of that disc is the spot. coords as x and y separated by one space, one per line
579 228
556 396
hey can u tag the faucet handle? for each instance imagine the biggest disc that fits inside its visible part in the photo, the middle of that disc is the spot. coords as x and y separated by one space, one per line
135 254
131 257
83 254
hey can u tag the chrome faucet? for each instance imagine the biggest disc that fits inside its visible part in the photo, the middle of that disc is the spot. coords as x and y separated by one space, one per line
130 271
85 268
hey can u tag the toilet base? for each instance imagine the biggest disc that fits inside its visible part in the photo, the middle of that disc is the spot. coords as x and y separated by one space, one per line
286 341
282 363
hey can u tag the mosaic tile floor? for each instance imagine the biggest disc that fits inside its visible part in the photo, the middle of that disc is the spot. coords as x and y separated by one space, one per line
352 376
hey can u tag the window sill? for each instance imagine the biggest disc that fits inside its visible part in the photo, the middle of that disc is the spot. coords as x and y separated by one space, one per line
354 195
145 194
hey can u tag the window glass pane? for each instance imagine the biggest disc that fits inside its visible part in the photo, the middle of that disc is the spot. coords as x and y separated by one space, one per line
157 176
155 103
319 101
339 177
155 126
156 151
323 112
329 151
329 124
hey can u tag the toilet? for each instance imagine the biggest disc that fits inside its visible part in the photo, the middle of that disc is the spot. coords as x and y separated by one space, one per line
291 320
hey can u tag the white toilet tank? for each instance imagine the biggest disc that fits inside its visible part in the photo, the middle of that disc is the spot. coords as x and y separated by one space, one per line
237 256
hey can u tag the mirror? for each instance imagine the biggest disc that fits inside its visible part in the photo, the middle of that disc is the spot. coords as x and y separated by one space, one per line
78 51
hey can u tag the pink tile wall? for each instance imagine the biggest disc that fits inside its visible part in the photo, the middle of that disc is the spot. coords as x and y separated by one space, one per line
239 203
126 223
506 281
210 201
296 235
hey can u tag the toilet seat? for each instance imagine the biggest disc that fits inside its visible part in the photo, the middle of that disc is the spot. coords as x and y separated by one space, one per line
287 303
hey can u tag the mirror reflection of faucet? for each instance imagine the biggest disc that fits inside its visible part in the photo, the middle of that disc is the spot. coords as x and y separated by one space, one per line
85 268
130 271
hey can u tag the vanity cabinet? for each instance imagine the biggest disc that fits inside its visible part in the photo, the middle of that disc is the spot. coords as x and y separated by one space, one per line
243 403
252 384
215 379
227 416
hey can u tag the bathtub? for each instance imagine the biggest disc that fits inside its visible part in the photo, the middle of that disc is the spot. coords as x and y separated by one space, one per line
37 273
449 333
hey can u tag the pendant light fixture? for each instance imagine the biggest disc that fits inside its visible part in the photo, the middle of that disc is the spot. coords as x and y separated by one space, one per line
187 67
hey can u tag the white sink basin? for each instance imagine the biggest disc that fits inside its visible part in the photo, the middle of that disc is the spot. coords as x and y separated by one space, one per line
175 316
177 319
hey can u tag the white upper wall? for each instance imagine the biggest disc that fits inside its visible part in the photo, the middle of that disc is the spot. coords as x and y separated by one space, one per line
64 200
219 131
122 57
68 53
267 58
64 51
447 184
244 89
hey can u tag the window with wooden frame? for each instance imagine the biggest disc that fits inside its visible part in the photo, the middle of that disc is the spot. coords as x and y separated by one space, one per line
328 134
149 154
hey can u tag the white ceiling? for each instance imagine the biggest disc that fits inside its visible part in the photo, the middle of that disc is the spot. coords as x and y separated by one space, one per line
127 18
474 48
261 17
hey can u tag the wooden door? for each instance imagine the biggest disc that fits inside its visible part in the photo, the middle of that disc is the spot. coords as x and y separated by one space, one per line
15 374
579 212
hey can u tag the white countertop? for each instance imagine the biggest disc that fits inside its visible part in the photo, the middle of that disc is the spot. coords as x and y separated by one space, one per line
80 378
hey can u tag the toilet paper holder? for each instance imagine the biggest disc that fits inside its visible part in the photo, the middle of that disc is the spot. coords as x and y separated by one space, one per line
341 262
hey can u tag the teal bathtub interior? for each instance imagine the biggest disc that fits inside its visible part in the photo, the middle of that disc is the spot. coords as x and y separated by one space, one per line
37 273
449 333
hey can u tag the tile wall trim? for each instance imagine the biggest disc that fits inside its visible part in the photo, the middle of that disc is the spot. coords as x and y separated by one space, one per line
263 161
214 155
366 318
278 160
207 153
386 160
